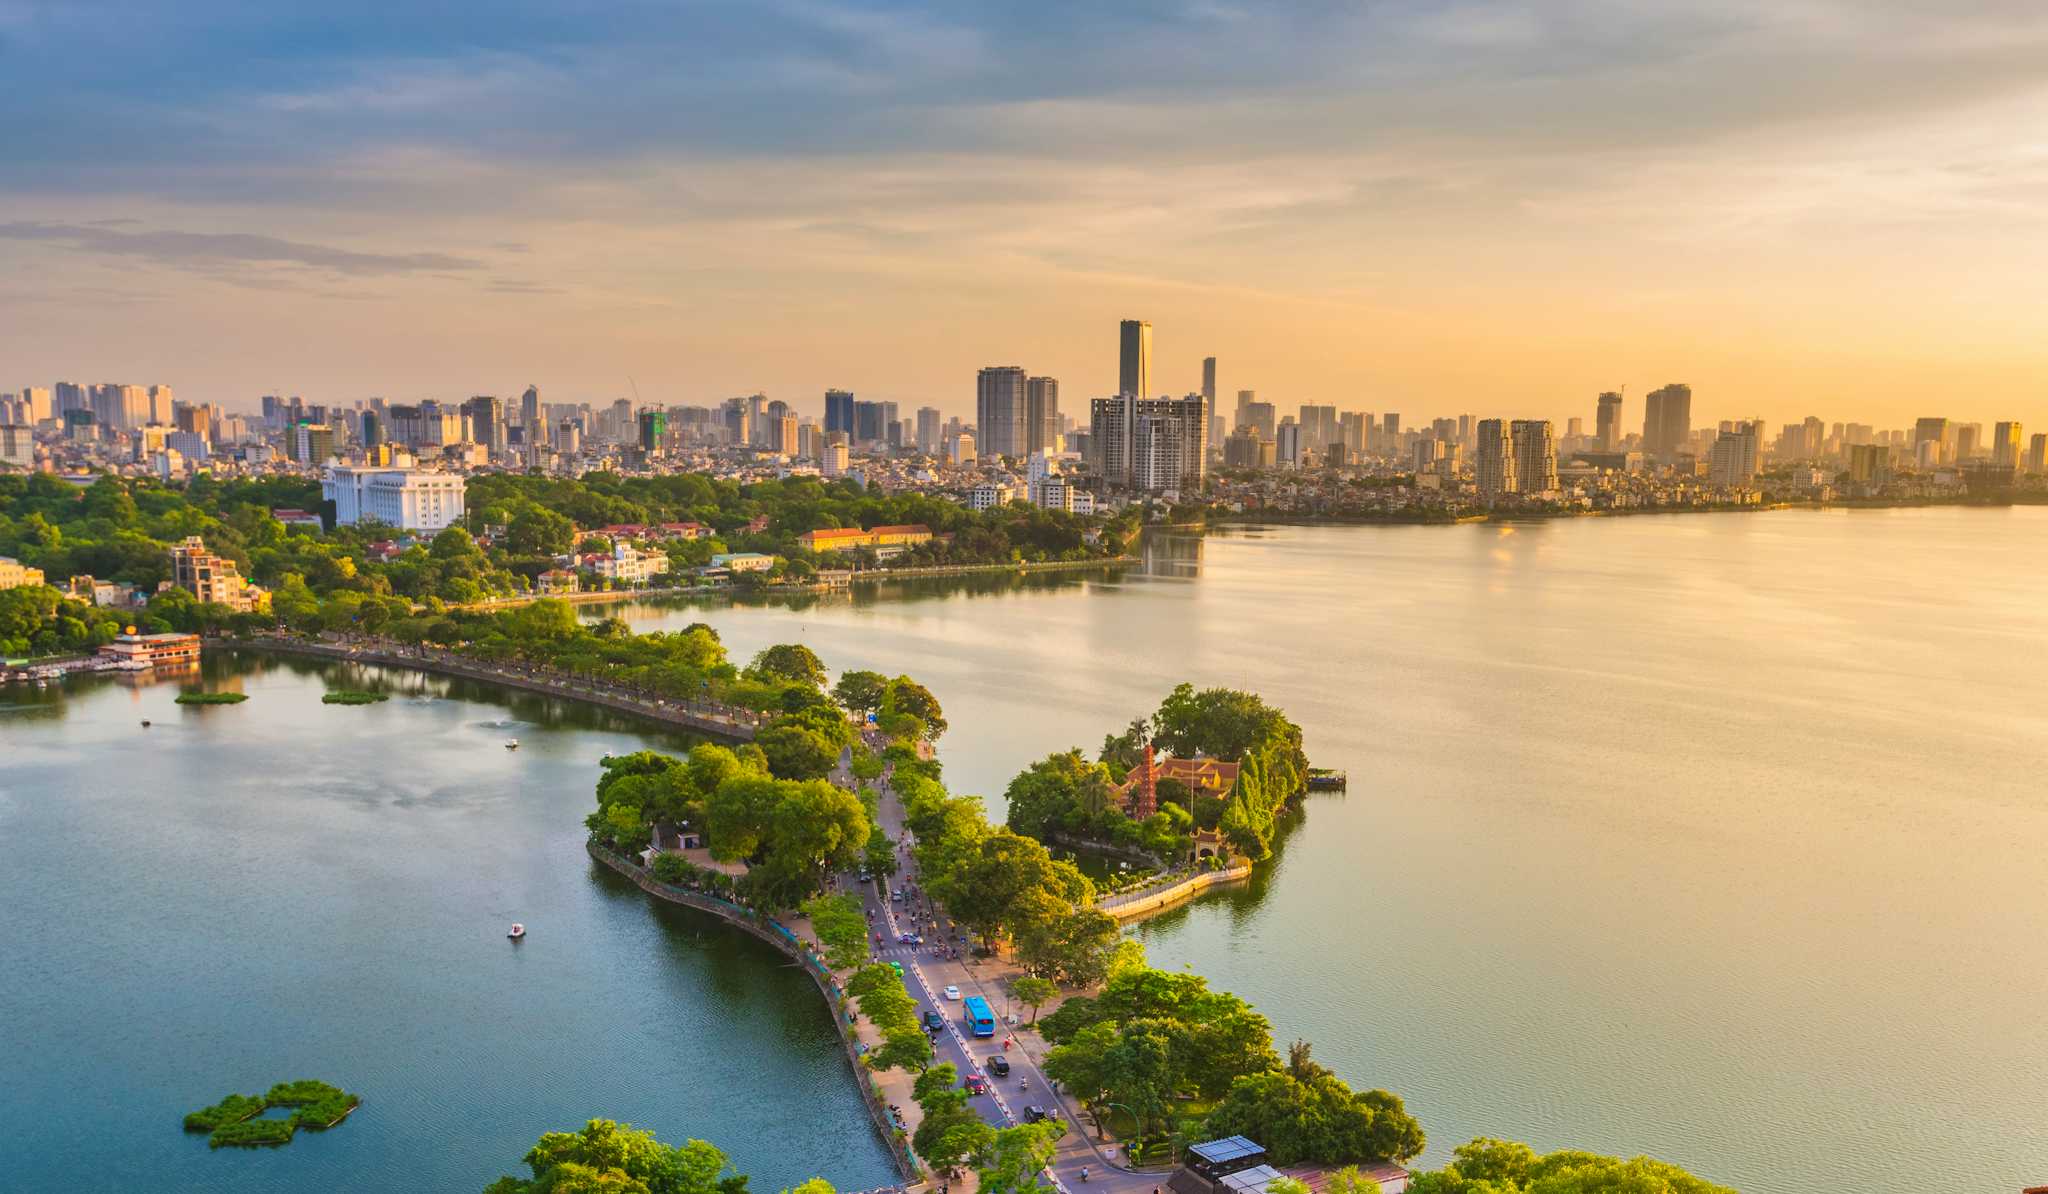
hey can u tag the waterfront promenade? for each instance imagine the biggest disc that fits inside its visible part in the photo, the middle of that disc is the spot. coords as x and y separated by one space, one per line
705 717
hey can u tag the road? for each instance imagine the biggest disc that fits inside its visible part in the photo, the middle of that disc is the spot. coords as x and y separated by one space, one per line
928 970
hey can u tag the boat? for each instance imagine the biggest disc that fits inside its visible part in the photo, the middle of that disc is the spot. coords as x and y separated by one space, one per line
517 932
511 744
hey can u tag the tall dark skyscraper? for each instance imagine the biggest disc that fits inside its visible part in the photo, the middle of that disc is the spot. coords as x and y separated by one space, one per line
1667 420
531 418
1607 424
1134 359
839 411
1041 414
1001 408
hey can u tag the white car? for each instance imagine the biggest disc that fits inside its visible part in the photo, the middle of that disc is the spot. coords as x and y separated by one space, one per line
951 992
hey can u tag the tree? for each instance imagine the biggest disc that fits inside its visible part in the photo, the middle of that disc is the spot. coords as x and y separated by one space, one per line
1487 1166
797 752
908 1051
618 1159
538 531
791 662
860 692
1033 992
294 603
1013 1160
906 697
1349 1180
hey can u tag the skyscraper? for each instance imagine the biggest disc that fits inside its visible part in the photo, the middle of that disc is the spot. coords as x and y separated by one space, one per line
1607 422
1493 467
2005 445
1134 371
1171 445
1535 445
839 411
1041 414
533 423
36 404
487 422
653 429
1001 408
1930 431
928 435
1209 391
1134 359
1667 421
1731 463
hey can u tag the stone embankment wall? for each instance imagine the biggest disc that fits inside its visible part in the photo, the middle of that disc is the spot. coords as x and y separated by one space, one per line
1132 905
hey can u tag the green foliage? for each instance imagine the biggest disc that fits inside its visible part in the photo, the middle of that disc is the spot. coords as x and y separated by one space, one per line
37 620
1349 1180
349 697
1487 1166
254 1133
792 663
1012 1161
614 1158
211 698
319 1105
906 698
233 1109
880 858
842 928
1305 1113
883 1000
1034 992
860 692
796 751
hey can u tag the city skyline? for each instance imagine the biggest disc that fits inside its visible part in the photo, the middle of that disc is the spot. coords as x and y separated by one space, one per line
1495 208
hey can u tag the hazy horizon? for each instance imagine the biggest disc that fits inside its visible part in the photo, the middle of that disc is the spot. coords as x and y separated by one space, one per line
1827 207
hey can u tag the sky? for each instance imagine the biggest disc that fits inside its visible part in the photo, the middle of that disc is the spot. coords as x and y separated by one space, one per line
1831 207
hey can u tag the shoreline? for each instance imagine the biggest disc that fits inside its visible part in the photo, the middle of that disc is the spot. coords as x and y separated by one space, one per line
870 576
1251 518
785 942
443 664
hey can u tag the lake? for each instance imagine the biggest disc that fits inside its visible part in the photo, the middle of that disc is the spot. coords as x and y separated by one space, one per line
1714 837
242 895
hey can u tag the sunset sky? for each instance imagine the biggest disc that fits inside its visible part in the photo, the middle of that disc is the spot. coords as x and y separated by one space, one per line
1832 207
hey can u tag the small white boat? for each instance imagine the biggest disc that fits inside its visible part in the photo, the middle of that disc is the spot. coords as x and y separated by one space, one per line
511 744
517 932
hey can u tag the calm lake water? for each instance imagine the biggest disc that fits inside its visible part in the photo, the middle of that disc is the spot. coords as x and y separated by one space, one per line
243 895
1711 837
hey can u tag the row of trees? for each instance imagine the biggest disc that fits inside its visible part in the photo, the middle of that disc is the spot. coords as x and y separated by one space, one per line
786 508
1487 1166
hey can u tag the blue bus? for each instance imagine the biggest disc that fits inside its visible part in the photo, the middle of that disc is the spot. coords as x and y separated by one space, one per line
980 1020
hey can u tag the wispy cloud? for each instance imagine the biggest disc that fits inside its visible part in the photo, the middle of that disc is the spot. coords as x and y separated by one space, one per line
215 249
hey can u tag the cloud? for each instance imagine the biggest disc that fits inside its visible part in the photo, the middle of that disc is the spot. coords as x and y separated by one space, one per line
213 250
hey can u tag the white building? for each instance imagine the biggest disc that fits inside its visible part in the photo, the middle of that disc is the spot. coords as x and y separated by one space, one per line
988 497
409 499
17 447
629 565
743 561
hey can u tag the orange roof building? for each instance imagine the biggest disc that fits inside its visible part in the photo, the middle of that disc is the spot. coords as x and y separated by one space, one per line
1201 776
